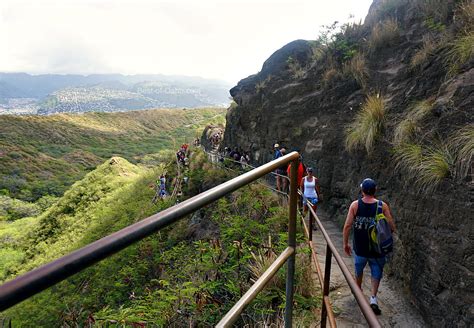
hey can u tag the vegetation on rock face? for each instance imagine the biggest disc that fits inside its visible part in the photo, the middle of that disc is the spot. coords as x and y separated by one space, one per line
357 69
383 34
367 125
411 123
44 155
426 167
463 144
423 53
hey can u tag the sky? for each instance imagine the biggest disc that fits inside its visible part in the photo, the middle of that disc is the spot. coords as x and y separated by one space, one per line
222 39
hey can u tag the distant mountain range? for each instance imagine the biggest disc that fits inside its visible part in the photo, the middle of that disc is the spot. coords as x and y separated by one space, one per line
22 93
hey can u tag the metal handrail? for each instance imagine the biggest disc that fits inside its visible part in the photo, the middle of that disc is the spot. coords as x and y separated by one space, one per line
33 282
237 309
325 279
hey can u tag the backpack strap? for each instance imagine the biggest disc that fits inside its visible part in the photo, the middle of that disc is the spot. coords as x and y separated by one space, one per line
379 207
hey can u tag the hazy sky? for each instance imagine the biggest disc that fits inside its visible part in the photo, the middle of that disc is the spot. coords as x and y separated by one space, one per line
223 39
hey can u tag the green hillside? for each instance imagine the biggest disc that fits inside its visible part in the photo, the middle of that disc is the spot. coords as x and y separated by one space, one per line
44 155
192 271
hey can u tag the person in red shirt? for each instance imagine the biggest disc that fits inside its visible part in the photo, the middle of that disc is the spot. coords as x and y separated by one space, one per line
301 170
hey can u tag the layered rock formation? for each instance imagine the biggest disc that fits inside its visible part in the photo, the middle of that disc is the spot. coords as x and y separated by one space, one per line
305 101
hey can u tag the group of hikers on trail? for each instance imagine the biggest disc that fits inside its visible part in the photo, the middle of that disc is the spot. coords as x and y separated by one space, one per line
182 154
369 218
237 155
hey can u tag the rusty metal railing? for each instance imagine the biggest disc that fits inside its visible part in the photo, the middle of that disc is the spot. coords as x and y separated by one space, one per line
326 308
33 282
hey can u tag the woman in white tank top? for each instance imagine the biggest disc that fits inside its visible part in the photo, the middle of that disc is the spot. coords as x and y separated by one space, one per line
310 187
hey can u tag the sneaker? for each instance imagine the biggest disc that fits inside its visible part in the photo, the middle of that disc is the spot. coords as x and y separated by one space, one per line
374 305
376 309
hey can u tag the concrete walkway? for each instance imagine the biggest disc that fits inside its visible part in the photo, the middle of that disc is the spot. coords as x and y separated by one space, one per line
396 308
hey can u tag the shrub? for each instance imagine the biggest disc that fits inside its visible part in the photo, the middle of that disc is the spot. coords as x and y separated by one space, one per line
368 124
426 168
421 55
357 69
411 123
463 145
384 34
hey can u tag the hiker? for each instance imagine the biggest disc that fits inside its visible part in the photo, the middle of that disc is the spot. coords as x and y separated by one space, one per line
300 174
361 214
301 171
311 192
244 160
281 171
277 154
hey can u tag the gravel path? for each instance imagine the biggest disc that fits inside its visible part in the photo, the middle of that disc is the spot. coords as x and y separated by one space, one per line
397 311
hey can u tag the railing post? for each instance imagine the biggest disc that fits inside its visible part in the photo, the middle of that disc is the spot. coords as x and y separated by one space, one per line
290 274
310 226
327 277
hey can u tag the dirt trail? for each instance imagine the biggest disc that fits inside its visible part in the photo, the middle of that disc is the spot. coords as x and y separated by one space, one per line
396 309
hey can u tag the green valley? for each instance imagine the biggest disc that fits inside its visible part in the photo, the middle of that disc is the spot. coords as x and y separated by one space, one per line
44 155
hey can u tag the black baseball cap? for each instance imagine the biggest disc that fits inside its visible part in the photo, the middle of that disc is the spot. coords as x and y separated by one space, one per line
368 186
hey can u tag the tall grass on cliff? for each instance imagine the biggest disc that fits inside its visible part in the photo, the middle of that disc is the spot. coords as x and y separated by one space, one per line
437 10
425 167
384 34
367 125
295 68
463 145
461 48
357 69
411 123
461 51
423 54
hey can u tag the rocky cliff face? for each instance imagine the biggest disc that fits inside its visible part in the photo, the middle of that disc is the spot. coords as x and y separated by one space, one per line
406 54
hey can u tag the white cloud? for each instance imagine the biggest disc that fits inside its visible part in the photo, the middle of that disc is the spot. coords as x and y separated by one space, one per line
222 39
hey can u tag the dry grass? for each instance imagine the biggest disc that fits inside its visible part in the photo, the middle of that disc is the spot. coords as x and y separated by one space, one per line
436 9
423 54
261 85
357 68
367 126
425 167
330 75
411 123
463 145
384 34
464 15
295 68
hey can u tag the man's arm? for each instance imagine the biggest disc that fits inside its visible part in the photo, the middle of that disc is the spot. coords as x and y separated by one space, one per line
388 215
347 227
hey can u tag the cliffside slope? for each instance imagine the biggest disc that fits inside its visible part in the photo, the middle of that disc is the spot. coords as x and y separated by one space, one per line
391 99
